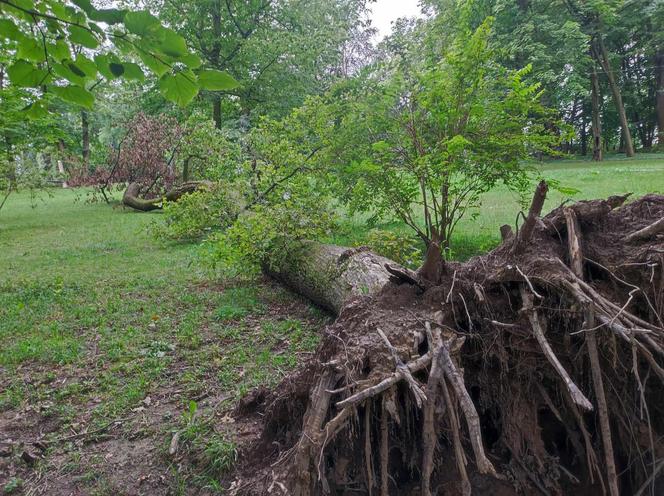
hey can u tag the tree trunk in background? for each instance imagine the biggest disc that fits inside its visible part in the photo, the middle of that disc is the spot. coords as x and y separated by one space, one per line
603 58
215 58
61 167
596 122
584 137
659 103
216 111
85 139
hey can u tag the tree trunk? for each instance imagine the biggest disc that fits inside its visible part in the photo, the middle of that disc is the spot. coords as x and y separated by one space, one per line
85 139
216 111
330 275
132 199
596 120
584 137
603 58
659 102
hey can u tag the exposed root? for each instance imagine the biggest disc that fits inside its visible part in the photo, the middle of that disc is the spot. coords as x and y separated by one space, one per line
511 341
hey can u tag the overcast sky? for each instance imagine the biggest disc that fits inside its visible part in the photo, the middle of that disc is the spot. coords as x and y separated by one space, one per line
386 11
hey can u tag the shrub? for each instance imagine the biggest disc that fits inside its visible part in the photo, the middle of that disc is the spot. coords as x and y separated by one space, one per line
196 215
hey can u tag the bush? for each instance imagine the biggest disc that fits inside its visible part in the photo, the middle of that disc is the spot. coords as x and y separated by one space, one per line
196 215
268 233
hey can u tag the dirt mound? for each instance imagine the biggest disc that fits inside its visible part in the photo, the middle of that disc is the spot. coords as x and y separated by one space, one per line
536 368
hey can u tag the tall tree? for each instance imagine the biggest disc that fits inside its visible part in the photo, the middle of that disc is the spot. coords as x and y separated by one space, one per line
280 51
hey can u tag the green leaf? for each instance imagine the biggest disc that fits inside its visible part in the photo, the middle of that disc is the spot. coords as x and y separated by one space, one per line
10 31
109 16
116 69
141 22
83 37
212 79
85 5
171 43
103 63
133 72
191 60
25 4
75 70
59 51
36 110
179 88
31 49
153 63
74 94
26 75
17 12
65 71
86 65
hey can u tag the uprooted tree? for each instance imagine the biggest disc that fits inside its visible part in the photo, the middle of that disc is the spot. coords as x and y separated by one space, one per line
153 162
536 368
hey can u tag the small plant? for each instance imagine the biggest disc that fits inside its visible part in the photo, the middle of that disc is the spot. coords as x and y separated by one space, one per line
237 303
13 486
210 452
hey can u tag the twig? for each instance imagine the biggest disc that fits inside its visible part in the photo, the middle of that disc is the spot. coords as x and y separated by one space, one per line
447 300
420 397
647 232
367 447
532 289
650 479
384 451
459 455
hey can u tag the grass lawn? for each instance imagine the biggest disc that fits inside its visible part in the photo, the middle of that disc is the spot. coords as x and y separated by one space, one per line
99 323
110 342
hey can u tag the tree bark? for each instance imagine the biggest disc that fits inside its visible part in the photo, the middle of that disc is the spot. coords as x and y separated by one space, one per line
330 275
596 120
85 139
132 199
603 58
659 96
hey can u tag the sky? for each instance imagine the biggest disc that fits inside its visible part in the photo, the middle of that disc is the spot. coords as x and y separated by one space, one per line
386 11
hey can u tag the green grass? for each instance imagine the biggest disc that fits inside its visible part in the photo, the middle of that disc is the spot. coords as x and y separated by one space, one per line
96 316
641 175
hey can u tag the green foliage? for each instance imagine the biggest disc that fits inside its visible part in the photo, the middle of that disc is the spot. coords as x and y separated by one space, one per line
43 35
211 452
268 233
196 215
424 144
395 246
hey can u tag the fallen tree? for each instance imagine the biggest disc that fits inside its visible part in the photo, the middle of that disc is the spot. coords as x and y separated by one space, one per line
131 197
534 369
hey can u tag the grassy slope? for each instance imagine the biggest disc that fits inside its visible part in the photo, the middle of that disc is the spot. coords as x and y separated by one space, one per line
95 318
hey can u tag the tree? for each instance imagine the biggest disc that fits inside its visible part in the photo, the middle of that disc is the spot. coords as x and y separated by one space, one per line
25 144
278 51
424 146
